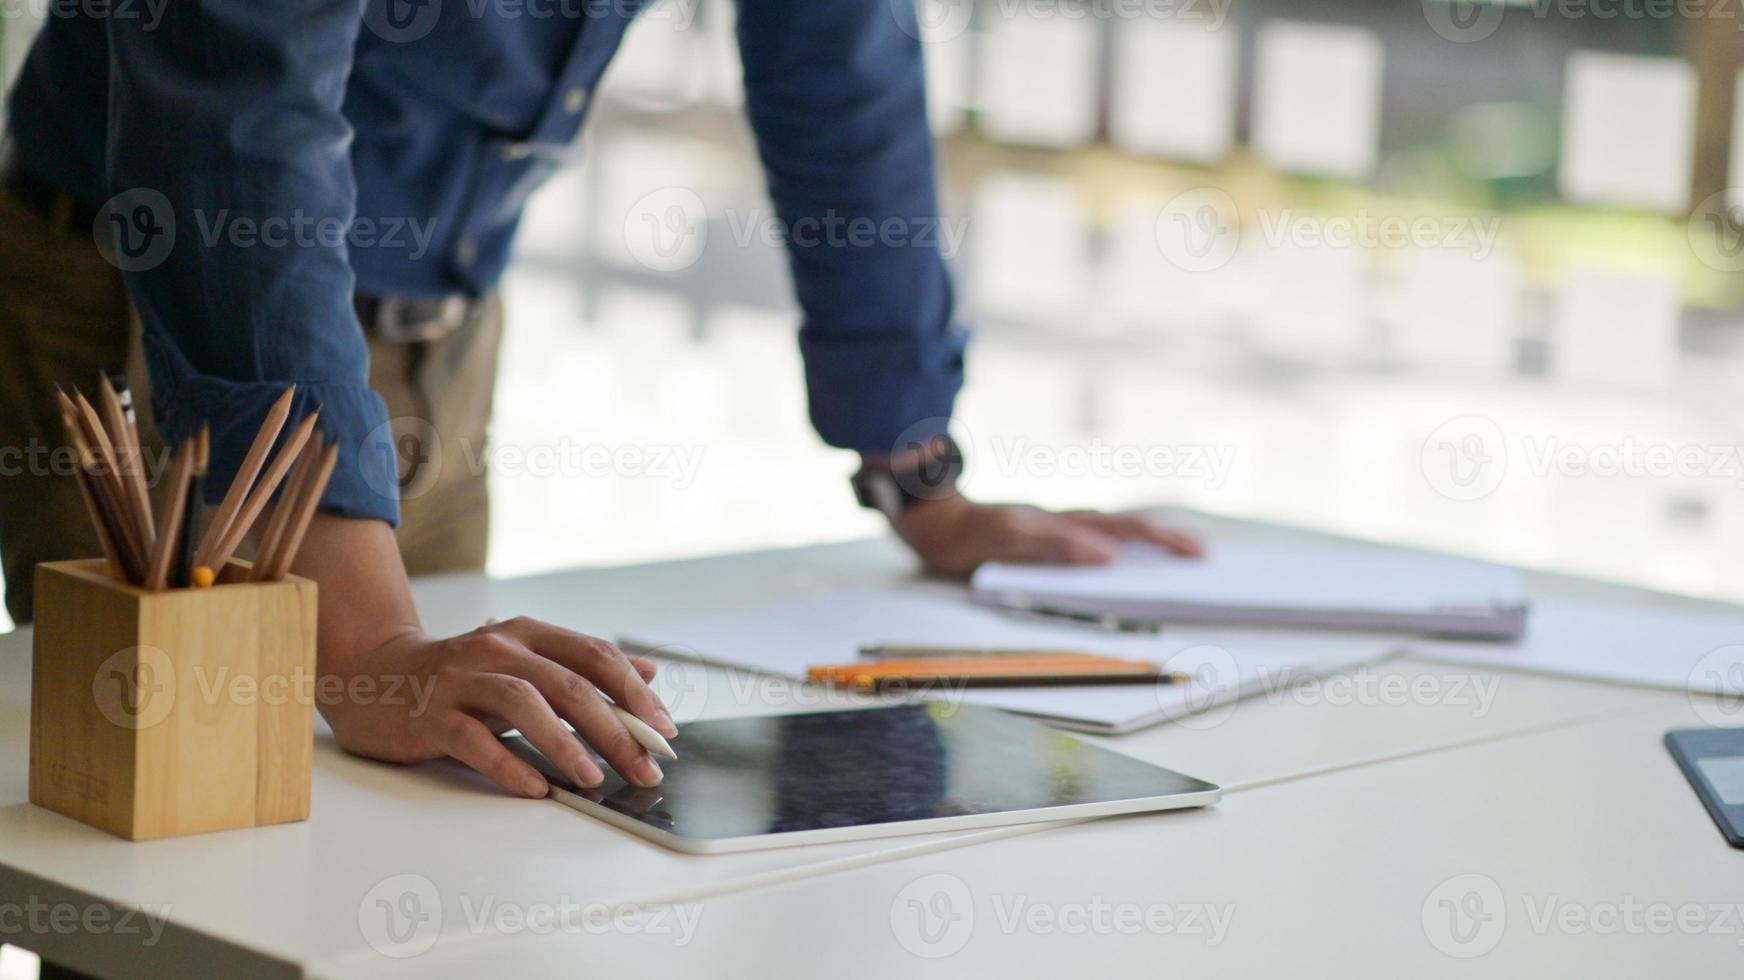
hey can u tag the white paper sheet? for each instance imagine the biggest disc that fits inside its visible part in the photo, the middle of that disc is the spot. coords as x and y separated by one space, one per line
1234 576
830 628
1634 644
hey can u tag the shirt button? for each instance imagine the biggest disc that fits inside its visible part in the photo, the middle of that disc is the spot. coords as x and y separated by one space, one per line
466 253
517 151
574 100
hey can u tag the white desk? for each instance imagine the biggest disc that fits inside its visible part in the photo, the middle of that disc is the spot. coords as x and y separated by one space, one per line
1329 801
1323 877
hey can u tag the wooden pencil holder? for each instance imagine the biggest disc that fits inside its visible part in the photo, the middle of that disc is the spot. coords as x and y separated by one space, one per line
156 714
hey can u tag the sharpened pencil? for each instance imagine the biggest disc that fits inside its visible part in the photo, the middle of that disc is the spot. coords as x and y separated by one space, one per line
257 497
174 512
244 479
183 572
132 561
903 652
129 460
305 513
88 439
102 448
296 487
105 533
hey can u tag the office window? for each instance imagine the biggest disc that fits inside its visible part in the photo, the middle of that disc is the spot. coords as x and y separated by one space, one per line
1317 97
1628 131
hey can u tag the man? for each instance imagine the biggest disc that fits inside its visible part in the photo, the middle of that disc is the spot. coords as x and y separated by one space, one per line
321 116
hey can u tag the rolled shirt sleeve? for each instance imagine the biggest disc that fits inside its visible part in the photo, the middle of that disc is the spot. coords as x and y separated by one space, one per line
229 158
835 91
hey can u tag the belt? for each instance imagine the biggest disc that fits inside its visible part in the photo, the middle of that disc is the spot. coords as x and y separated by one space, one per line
55 207
406 320
394 319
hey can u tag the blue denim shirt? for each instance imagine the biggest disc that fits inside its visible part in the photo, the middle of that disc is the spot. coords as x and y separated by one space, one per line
263 152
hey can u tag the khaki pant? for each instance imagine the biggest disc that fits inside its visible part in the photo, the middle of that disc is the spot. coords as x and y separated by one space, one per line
65 316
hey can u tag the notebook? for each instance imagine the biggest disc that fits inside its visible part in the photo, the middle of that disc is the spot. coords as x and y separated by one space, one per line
1225 663
1337 587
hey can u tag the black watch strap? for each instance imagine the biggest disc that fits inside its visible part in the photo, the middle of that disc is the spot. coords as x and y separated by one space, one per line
893 491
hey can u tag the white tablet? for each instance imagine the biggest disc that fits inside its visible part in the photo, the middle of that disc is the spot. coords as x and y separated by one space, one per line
744 784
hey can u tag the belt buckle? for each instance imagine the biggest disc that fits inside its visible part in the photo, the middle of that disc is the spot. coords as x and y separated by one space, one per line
398 320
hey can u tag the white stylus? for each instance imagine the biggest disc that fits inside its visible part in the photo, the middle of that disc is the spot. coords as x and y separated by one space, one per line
640 730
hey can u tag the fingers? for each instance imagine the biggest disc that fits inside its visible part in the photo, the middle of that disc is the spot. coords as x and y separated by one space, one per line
577 699
1128 528
466 739
567 673
600 662
521 703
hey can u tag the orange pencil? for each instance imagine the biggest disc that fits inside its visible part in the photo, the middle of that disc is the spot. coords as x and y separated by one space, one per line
991 672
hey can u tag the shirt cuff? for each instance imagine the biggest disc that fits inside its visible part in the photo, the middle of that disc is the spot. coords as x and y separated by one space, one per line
365 482
882 395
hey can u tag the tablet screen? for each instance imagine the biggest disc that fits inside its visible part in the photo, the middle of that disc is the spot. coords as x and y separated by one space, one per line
1726 774
746 777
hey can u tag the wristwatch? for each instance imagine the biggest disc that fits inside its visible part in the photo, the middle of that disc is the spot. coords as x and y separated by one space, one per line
891 491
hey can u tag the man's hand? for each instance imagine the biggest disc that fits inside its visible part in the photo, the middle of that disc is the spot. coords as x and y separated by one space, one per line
953 536
457 694
463 691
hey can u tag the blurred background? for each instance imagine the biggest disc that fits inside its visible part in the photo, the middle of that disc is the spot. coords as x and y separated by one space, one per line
1458 275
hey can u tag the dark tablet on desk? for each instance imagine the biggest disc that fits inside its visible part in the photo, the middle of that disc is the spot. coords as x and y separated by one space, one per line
1712 759
744 784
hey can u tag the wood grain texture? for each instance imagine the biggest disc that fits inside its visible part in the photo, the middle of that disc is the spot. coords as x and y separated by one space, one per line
156 714
287 676
81 764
